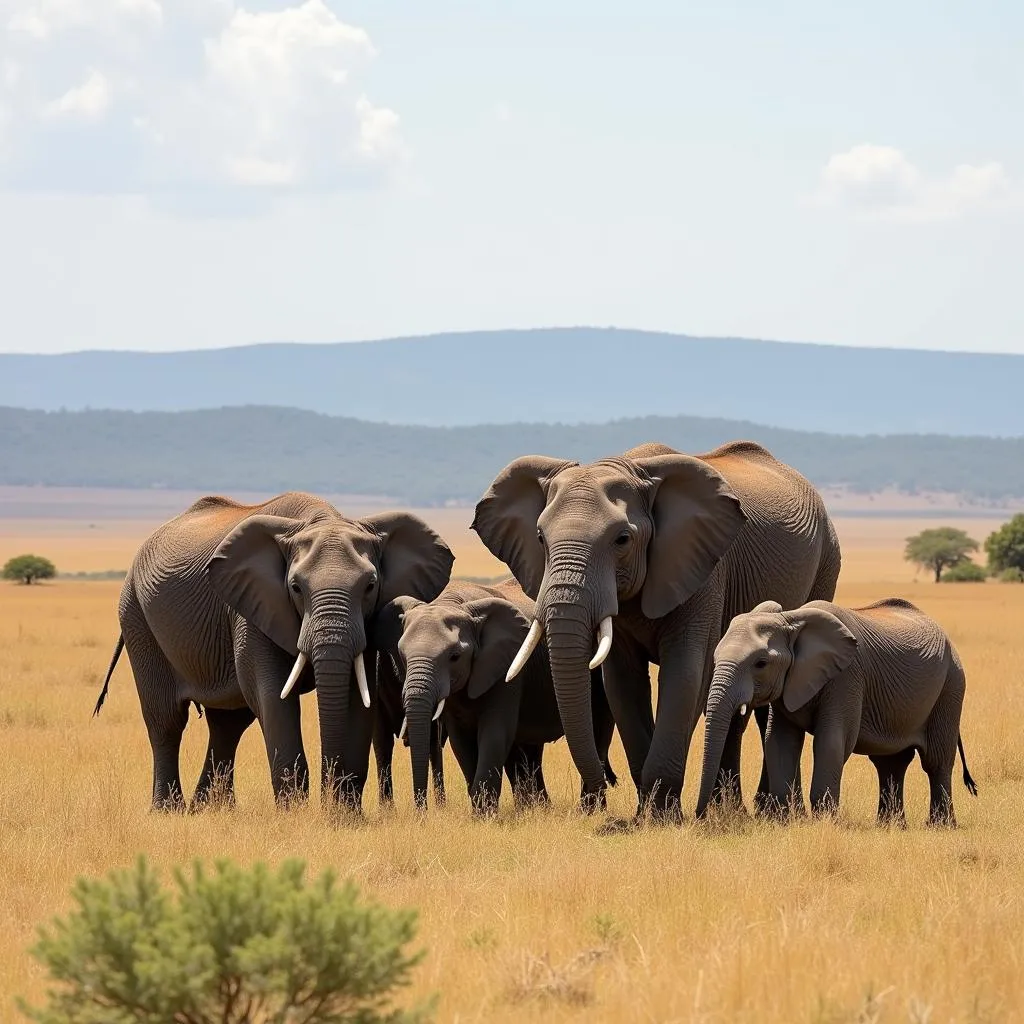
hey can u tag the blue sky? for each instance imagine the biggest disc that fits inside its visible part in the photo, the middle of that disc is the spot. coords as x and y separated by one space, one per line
193 173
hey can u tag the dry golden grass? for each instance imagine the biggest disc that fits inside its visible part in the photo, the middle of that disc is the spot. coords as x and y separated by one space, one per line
537 915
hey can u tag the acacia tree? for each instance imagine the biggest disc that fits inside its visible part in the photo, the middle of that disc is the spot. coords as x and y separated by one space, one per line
939 548
29 568
1005 547
235 946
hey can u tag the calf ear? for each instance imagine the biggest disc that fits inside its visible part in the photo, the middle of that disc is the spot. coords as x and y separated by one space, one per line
822 648
385 629
501 630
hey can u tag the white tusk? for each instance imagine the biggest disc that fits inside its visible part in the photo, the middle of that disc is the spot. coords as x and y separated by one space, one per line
401 732
743 710
604 642
300 664
437 713
529 646
364 690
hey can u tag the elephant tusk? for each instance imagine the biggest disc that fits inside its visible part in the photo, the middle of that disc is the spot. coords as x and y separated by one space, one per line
364 690
743 710
300 664
401 732
440 708
529 646
604 642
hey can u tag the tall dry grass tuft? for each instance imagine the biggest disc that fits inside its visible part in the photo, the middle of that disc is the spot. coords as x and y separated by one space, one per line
538 916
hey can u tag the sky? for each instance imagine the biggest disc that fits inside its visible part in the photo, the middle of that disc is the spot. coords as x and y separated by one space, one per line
201 173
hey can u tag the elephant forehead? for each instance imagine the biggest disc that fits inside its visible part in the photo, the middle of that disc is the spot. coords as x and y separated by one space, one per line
598 487
750 631
431 629
336 544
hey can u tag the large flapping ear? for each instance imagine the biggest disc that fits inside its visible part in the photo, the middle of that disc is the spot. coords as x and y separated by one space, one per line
414 561
822 648
506 516
696 518
501 630
249 572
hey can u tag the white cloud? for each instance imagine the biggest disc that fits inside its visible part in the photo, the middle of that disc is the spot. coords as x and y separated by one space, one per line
90 100
139 96
882 182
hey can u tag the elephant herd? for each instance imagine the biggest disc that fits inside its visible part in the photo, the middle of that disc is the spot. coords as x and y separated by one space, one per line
720 569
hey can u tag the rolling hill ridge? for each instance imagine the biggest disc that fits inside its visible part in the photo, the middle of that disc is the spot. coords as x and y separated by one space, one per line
570 375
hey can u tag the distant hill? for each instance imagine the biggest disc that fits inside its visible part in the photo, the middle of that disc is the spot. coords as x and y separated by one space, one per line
572 375
274 449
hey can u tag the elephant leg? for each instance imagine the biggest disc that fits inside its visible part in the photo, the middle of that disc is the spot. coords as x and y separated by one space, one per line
358 741
604 730
939 753
464 746
217 781
627 686
830 756
680 685
383 754
892 769
763 801
282 736
437 762
165 716
783 745
523 768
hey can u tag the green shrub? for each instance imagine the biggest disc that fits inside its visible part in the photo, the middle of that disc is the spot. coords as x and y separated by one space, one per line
1005 546
235 946
938 549
29 568
965 572
1011 575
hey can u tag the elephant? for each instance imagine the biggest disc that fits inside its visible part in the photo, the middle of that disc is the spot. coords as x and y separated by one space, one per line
226 603
449 657
882 680
651 553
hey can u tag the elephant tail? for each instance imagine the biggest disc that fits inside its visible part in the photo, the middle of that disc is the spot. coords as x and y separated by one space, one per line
119 647
972 786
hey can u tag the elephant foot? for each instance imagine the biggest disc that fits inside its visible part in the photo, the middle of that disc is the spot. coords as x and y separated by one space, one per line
593 802
660 806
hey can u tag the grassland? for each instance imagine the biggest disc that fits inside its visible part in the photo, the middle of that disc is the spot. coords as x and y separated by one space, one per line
537 915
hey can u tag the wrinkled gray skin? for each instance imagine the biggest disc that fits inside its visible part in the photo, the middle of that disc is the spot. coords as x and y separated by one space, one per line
458 648
884 680
219 602
671 546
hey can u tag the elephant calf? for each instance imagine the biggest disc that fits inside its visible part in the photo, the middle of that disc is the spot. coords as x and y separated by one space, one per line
884 680
450 657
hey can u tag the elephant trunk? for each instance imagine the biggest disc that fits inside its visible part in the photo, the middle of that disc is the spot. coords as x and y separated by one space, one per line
570 612
420 695
727 694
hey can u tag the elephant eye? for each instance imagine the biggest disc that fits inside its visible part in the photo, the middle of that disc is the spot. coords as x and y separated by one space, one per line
455 657
373 580
296 587
761 663
623 539
540 537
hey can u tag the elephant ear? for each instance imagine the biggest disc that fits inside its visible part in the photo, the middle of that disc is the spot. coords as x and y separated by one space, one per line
414 560
249 572
822 648
696 518
385 631
506 516
501 630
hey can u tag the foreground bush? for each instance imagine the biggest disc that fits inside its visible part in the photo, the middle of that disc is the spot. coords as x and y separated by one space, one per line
965 572
238 946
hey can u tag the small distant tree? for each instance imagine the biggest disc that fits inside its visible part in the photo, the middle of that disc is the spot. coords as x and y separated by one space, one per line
29 568
234 946
939 549
965 572
1005 547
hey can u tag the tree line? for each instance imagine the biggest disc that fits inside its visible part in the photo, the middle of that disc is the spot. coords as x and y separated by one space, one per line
263 448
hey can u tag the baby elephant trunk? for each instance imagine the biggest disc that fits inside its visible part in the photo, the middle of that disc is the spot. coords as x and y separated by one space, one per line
730 693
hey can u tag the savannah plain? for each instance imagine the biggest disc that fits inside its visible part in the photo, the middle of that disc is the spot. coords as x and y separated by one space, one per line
536 915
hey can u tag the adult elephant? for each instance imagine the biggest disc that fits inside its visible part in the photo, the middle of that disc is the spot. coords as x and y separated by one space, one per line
651 554
228 603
